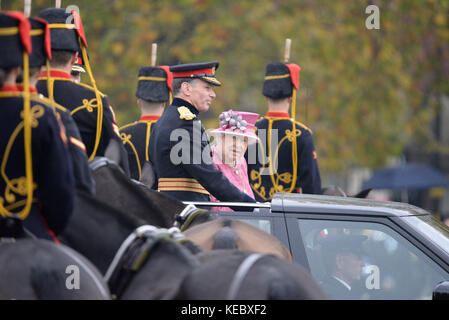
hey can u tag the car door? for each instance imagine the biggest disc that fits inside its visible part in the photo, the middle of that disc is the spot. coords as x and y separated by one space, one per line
385 265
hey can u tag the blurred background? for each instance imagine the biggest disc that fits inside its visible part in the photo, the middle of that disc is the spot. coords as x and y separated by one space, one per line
373 97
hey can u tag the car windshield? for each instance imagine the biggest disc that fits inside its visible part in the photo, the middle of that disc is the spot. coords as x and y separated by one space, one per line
430 227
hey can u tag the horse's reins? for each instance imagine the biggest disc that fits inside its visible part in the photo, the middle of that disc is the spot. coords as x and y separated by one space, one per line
241 273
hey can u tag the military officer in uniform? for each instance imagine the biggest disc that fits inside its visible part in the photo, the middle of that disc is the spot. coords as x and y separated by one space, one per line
179 148
285 159
153 93
36 182
89 108
40 38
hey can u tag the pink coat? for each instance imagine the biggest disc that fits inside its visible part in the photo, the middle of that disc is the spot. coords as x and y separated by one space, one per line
237 176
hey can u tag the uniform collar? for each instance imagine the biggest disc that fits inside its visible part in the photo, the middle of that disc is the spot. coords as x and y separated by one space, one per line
55 73
10 88
278 115
178 102
150 117
21 88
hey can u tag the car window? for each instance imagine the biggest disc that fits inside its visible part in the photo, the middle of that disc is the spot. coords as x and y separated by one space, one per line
364 260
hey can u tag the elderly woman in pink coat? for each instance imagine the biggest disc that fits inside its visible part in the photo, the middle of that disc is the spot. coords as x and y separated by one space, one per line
231 140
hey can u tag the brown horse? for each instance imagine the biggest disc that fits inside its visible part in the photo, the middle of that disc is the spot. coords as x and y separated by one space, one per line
234 234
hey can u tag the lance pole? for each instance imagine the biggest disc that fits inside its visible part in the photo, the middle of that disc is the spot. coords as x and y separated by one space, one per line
27 8
288 44
153 54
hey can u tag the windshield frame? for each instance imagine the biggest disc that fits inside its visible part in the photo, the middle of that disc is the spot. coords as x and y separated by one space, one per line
430 228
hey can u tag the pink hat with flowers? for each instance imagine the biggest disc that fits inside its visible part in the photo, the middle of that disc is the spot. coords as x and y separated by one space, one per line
238 123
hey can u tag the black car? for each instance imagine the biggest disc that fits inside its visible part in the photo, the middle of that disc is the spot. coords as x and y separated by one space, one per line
358 248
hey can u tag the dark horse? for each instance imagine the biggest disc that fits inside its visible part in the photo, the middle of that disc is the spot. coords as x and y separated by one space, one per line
40 269
98 230
244 275
122 193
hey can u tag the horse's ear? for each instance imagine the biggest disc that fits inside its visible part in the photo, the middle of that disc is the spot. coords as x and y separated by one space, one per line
363 193
148 177
113 151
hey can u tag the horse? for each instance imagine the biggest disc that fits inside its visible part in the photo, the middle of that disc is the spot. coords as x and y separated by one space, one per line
40 269
244 275
98 231
223 233
119 191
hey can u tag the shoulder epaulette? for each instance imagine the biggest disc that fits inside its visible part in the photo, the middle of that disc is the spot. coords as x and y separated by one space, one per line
185 113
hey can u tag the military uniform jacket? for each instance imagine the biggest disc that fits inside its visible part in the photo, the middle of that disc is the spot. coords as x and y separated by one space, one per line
182 158
136 139
265 180
54 186
76 147
80 99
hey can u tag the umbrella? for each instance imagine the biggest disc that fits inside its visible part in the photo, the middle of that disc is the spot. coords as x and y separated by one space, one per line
408 176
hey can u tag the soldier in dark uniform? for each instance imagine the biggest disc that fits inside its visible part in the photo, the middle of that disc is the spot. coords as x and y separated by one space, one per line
41 52
89 108
285 159
179 148
153 93
36 182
